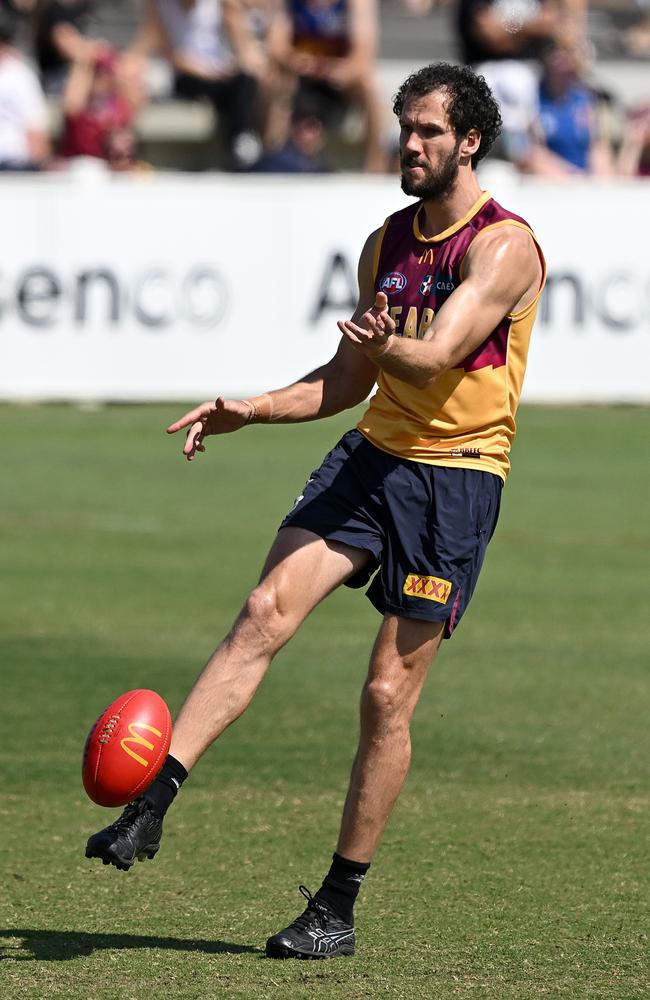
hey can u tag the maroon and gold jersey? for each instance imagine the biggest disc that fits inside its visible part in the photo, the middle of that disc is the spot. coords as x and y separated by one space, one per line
466 418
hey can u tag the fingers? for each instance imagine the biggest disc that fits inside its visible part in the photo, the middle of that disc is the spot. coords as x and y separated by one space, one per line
377 321
198 422
221 417
198 413
185 421
194 440
353 332
375 329
347 333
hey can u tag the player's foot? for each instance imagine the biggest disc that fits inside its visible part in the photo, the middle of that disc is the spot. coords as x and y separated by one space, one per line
316 933
136 834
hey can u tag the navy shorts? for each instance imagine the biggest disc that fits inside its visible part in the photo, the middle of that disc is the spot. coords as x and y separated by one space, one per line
426 526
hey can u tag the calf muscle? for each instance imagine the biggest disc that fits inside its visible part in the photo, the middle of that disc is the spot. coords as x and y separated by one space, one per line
301 569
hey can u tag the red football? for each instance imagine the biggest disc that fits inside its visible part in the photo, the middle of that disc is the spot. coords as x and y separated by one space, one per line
126 747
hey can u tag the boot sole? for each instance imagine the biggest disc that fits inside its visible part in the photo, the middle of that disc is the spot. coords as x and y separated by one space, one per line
121 863
282 952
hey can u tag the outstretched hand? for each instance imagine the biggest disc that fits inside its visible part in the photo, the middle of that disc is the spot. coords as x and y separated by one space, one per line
371 334
221 417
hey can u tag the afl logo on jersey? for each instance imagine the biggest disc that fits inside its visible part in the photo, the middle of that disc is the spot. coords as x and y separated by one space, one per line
393 282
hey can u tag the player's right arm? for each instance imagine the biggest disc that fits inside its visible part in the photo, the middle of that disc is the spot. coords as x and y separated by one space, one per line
338 385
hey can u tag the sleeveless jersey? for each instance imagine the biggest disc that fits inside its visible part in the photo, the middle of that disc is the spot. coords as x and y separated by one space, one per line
466 418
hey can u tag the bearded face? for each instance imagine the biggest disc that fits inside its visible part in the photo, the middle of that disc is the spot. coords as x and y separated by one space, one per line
423 179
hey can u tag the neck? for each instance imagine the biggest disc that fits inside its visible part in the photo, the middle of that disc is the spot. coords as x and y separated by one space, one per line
440 213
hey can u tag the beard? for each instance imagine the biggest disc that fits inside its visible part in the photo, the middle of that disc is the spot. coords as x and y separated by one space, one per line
435 182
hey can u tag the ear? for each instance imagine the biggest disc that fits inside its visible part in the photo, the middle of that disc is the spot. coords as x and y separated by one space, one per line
470 143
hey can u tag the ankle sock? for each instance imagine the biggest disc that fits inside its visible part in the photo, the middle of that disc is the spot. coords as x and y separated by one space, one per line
162 791
341 885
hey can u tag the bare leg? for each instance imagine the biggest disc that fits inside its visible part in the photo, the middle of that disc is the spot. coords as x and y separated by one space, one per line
300 571
400 660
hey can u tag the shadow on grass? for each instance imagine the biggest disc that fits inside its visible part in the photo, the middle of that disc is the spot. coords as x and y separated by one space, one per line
61 946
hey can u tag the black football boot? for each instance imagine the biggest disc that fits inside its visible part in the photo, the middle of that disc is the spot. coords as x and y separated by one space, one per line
135 834
316 933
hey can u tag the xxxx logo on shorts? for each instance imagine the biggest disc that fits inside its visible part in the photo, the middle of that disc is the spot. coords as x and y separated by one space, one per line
431 588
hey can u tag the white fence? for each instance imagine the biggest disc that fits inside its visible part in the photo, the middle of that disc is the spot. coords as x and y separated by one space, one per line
179 287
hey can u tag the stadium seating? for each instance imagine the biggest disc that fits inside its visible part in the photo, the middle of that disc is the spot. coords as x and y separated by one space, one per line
177 134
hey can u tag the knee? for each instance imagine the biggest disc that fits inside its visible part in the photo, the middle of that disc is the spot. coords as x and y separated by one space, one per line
384 718
263 620
392 690
382 704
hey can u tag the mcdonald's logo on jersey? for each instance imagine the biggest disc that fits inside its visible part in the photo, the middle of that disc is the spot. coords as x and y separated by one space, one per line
426 257
139 740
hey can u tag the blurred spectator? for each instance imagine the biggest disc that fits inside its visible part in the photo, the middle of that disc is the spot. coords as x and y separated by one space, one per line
569 115
199 37
498 38
121 151
94 105
330 47
301 154
252 28
497 30
59 39
634 154
24 144
60 43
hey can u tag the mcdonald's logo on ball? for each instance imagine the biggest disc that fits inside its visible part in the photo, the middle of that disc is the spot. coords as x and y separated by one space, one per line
126 747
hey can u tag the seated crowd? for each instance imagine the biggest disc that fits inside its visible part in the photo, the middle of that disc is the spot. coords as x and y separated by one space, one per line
284 76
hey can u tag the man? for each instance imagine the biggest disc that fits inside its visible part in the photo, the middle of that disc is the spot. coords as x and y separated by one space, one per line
24 142
329 48
502 42
413 492
214 56
301 153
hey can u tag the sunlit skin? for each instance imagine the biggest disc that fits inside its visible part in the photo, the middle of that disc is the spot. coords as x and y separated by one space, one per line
430 151
420 178
503 274
436 166
435 162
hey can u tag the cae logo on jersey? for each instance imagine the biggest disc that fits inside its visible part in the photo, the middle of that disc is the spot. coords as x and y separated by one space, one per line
431 588
393 282
441 283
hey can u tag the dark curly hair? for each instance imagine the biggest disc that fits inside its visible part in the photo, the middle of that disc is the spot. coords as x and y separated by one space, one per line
471 102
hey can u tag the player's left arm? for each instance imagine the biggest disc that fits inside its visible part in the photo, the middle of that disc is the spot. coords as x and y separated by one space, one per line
503 274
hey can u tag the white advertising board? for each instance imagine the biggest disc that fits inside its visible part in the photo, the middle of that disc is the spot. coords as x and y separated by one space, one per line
181 287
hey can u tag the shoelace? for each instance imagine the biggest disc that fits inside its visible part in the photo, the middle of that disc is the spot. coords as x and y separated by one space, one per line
314 909
123 822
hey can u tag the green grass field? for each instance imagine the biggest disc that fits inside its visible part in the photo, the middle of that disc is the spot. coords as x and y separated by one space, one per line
516 864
